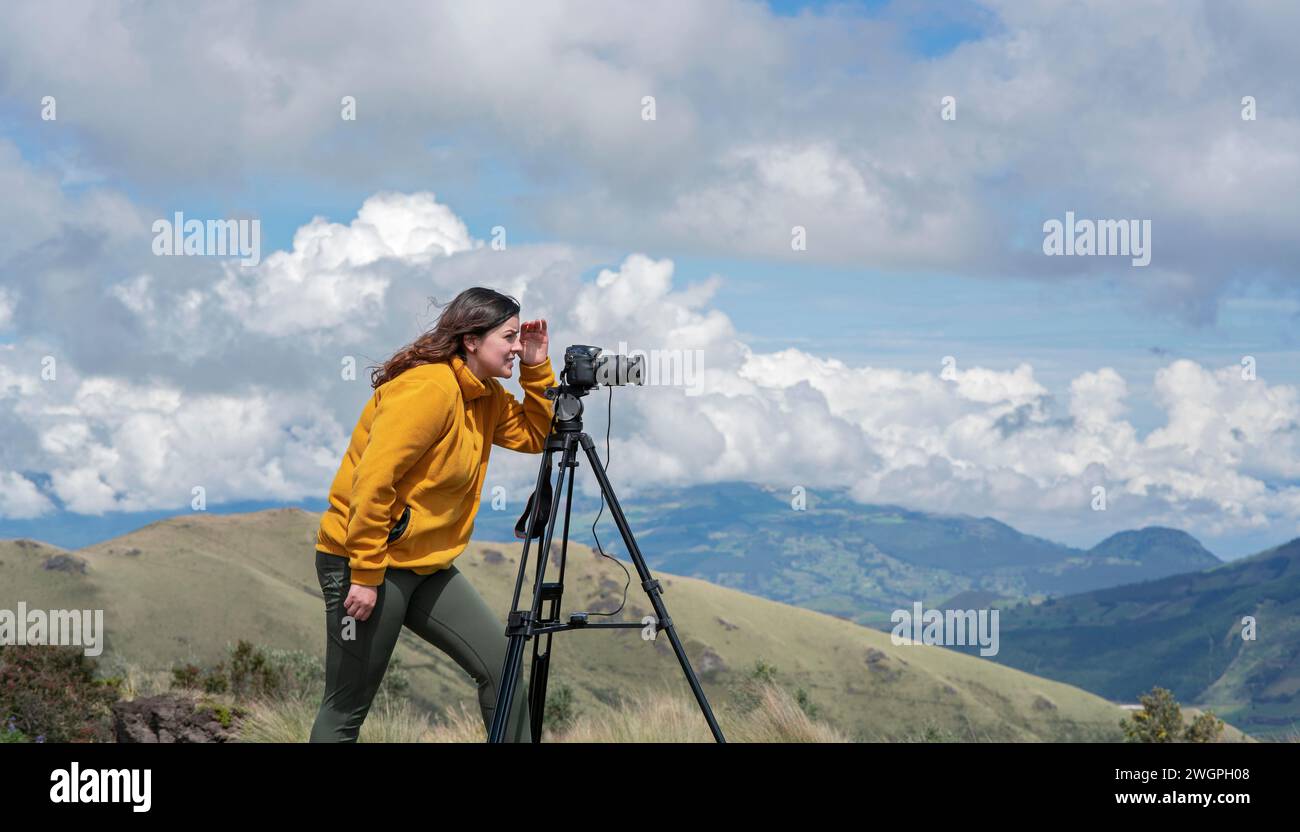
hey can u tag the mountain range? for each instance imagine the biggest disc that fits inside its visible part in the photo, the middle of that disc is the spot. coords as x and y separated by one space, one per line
858 561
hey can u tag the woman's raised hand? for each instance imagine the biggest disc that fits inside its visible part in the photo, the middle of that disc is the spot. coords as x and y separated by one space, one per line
536 343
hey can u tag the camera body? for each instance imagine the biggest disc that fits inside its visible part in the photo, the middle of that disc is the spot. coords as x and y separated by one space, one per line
586 367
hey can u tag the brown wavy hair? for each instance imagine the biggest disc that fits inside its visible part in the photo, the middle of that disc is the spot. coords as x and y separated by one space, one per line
475 311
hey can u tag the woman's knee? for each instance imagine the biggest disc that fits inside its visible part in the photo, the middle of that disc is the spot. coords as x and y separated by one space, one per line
337 725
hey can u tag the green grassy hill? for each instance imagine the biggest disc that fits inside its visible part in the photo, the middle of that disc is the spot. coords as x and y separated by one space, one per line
185 588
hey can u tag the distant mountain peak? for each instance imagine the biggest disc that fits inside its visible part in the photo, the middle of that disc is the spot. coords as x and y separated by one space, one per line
1156 543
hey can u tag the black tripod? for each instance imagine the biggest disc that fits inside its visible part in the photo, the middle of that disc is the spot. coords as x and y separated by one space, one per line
522 625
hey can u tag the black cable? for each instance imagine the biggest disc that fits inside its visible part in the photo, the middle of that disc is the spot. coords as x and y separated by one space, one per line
604 467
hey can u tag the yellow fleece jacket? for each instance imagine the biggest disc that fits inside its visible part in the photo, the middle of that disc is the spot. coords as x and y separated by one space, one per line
422 443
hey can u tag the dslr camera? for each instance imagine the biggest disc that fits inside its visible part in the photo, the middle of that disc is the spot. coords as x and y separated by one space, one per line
587 367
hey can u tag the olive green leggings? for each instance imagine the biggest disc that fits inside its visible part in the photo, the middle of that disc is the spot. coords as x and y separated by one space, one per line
443 608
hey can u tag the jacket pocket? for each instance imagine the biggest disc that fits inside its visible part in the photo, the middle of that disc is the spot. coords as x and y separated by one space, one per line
399 528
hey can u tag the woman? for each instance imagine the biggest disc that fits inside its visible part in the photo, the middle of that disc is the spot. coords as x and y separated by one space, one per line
403 502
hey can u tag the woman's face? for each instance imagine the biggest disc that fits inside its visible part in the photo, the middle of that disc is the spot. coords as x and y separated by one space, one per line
494 354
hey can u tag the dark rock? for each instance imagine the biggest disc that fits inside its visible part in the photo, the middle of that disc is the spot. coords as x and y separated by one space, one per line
878 662
65 563
704 659
171 717
709 662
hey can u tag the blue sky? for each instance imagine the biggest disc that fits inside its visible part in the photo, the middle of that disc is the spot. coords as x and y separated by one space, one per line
930 30
923 237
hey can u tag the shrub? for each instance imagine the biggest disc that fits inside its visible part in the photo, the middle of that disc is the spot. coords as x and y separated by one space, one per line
749 693
51 693
1205 728
560 710
1161 720
806 704
9 732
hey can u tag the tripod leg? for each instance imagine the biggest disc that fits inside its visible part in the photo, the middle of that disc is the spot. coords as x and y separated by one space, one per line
505 696
650 585
513 664
518 628
542 661
537 685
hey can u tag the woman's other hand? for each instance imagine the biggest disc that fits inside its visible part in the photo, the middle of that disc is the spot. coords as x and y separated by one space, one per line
532 334
360 601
